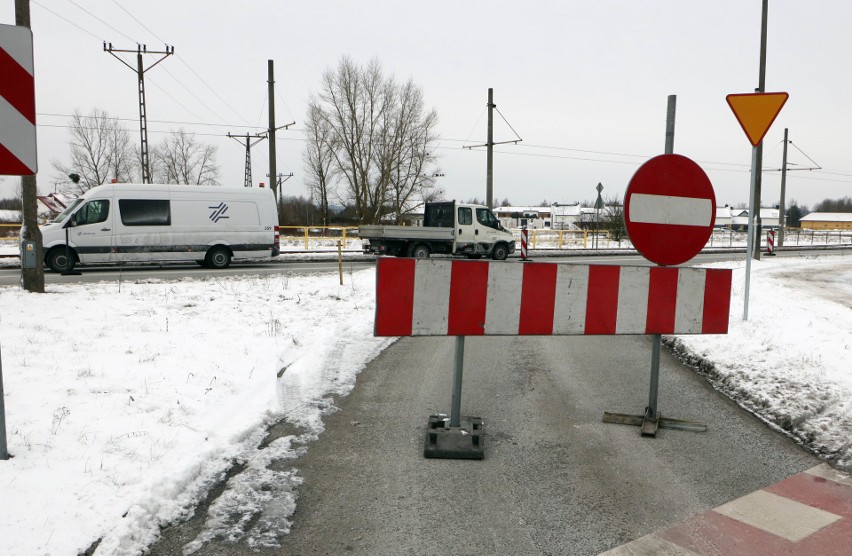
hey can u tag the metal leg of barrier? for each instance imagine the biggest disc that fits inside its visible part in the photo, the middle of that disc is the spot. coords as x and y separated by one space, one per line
652 420
455 437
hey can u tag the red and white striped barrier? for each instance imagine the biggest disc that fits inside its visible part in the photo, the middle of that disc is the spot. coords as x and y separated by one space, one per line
524 235
770 242
470 298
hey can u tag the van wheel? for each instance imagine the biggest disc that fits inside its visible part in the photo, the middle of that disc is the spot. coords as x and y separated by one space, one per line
57 260
500 252
218 257
420 251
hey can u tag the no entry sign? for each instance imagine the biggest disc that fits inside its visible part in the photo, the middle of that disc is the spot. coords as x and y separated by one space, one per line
17 102
669 209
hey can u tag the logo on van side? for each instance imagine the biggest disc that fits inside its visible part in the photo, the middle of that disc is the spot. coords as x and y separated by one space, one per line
218 212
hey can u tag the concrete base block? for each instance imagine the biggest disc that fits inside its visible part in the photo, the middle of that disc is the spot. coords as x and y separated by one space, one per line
462 442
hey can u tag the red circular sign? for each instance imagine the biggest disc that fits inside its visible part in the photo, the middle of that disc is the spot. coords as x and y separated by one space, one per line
669 209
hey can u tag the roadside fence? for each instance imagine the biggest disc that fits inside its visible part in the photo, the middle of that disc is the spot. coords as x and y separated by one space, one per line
321 238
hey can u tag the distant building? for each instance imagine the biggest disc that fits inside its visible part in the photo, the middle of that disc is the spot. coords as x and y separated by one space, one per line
534 218
827 221
565 217
50 205
739 218
723 217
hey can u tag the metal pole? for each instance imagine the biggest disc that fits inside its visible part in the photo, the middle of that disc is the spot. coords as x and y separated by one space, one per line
272 161
782 219
455 414
750 236
32 279
4 452
758 165
657 339
489 179
670 123
597 219
656 342
143 120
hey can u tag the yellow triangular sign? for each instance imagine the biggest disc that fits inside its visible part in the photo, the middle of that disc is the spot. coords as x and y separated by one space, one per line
756 112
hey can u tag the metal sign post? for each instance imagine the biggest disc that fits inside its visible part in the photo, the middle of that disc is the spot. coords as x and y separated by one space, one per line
461 438
649 212
599 204
4 452
755 112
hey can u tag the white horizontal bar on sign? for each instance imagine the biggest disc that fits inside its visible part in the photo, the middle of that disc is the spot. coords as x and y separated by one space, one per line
665 209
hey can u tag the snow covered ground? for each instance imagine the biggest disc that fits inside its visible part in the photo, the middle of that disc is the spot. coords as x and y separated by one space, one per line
126 401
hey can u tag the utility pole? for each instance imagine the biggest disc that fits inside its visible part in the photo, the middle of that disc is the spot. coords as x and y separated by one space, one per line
272 168
782 219
489 145
248 144
489 164
271 132
281 178
757 167
140 74
32 279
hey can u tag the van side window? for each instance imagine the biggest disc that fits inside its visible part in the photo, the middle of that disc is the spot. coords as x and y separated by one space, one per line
145 212
465 216
93 212
486 218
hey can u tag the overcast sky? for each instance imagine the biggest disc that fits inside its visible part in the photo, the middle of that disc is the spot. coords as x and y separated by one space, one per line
584 84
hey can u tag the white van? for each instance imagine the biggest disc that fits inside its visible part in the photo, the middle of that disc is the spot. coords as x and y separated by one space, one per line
118 223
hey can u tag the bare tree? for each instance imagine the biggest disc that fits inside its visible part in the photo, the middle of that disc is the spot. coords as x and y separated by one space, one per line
180 158
100 150
380 137
613 218
405 152
319 159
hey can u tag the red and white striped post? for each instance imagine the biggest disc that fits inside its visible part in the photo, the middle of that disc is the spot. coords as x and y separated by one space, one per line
17 102
524 236
770 242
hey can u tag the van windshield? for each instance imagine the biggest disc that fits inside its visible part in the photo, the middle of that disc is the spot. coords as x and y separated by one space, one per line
64 214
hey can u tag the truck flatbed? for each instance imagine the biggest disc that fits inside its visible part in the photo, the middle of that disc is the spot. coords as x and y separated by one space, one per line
408 233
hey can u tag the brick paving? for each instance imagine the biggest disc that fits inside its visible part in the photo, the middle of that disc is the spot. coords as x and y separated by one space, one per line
807 514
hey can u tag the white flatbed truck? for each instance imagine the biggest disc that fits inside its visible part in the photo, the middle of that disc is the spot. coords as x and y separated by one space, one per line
449 228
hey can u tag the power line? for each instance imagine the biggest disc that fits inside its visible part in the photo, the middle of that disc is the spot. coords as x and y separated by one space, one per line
102 21
137 20
212 90
65 19
176 122
440 147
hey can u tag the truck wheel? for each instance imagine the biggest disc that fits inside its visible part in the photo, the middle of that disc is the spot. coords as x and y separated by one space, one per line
500 252
57 260
420 251
218 257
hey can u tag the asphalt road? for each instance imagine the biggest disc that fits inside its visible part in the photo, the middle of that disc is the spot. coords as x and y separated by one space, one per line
555 478
12 276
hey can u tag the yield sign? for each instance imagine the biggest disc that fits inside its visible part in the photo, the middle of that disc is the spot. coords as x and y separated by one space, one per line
756 112
17 102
